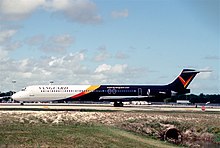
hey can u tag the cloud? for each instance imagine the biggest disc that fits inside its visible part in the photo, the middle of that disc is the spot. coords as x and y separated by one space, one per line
120 14
66 61
18 9
6 43
71 68
12 46
99 76
205 75
64 39
56 5
117 74
103 68
213 57
35 40
51 48
54 44
81 11
68 69
115 69
6 35
102 54
105 73
121 55
3 54
119 68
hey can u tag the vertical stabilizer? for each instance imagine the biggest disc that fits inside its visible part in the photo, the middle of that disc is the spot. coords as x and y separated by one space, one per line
181 83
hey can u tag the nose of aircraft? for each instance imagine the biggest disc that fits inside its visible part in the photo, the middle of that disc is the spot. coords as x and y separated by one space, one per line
17 96
14 96
20 96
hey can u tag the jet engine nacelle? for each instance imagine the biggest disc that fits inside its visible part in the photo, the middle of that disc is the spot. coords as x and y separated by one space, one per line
185 91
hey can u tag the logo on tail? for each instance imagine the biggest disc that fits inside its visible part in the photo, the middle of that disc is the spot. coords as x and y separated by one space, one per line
185 83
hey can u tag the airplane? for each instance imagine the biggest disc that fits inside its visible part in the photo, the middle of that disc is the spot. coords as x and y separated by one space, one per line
113 93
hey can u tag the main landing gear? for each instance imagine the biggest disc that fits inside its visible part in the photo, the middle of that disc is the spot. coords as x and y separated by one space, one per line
118 104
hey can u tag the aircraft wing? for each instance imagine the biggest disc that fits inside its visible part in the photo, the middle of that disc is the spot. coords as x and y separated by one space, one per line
123 98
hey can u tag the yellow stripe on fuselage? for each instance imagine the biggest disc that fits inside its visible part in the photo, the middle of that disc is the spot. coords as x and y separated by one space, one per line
92 88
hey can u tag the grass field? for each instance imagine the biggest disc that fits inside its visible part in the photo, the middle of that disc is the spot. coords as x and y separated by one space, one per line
75 135
106 129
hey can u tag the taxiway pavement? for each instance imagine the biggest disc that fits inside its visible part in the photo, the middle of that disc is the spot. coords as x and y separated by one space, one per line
105 107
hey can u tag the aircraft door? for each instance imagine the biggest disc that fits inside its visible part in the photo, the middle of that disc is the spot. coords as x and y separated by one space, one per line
139 91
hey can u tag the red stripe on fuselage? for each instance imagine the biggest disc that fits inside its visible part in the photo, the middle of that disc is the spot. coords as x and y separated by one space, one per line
78 95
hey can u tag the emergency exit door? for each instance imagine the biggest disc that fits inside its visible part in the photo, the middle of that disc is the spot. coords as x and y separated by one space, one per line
139 91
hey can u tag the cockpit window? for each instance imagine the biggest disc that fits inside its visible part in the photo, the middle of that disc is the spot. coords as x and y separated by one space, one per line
23 89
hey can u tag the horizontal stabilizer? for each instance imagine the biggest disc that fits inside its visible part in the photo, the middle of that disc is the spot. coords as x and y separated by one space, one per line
196 71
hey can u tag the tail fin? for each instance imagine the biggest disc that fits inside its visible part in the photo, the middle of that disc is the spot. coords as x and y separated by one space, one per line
183 80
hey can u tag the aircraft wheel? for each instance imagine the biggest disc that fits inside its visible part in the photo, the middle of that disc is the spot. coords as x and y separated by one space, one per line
115 104
118 104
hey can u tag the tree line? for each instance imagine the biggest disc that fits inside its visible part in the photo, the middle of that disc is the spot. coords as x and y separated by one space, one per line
201 98
3 94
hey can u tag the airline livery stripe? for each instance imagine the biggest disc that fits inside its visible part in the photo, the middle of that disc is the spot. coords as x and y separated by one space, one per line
88 90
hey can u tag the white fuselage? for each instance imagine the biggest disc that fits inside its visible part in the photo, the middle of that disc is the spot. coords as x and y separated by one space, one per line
50 92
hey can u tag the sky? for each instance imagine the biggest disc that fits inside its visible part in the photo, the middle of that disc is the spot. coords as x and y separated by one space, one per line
109 42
